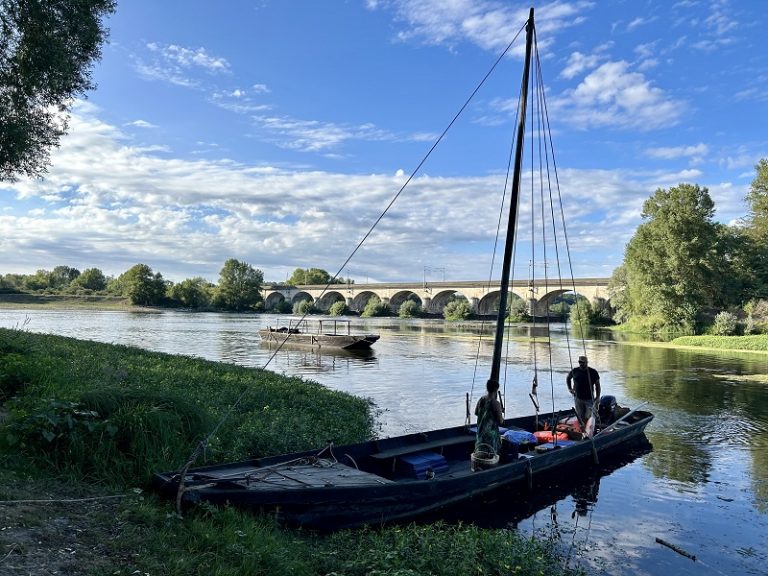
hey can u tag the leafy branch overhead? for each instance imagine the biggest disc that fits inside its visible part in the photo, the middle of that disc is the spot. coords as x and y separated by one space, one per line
47 48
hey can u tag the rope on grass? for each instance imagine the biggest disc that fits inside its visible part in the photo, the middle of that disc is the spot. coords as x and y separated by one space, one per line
64 501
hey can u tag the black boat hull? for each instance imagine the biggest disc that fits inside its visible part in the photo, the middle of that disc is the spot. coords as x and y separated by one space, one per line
362 484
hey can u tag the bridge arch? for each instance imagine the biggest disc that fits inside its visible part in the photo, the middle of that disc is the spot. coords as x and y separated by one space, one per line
301 296
357 304
274 301
328 299
489 304
398 298
440 300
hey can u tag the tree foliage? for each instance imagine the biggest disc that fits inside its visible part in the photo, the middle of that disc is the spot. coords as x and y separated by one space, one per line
192 292
91 279
517 309
239 286
457 309
409 309
338 308
757 201
314 276
756 232
47 48
674 265
375 307
141 286
303 307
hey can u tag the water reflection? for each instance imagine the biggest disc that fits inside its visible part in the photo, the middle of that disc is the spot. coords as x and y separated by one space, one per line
317 360
576 489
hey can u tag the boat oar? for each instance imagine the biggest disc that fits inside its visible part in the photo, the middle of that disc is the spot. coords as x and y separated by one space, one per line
627 415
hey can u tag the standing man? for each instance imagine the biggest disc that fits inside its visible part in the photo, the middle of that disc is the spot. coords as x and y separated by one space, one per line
584 384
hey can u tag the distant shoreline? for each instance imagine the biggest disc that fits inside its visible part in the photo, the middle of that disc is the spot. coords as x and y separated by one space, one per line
64 301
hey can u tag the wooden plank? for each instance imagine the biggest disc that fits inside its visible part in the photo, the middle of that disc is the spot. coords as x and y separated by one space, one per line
308 476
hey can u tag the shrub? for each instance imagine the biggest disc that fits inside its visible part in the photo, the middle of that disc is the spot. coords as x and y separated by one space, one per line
303 307
580 315
458 309
338 308
725 324
517 310
409 309
375 307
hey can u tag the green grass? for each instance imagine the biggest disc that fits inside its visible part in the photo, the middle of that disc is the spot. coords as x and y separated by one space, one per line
81 421
97 409
757 342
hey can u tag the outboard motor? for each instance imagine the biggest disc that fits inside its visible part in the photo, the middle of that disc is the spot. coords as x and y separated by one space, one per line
606 410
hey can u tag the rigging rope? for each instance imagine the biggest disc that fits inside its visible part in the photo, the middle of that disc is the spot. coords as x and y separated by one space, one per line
204 443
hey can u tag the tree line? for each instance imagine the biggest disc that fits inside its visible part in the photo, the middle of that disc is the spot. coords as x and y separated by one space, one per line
238 289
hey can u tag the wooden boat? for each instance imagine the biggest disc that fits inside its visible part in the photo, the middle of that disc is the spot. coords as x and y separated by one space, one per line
391 479
397 478
328 334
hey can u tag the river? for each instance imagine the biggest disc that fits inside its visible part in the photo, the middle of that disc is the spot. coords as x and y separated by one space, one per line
702 487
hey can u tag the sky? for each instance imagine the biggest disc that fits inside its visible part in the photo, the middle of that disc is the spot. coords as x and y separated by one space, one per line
277 132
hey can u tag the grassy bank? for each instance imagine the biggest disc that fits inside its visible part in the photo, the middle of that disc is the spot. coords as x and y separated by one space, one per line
84 422
753 343
36 301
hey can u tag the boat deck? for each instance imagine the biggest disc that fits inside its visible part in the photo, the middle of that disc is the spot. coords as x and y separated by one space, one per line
321 474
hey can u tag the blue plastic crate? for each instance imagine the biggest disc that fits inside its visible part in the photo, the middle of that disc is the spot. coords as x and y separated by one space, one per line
417 465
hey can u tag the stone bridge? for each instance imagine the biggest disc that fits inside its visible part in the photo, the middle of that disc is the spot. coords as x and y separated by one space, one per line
433 296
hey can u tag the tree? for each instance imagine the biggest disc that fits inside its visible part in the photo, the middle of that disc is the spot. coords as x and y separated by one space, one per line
37 281
192 292
141 286
239 286
674 265
756 231
62 276
47 48
757 200
91 279
316 276
580 315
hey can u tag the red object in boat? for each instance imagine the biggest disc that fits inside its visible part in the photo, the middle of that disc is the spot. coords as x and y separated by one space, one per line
543 436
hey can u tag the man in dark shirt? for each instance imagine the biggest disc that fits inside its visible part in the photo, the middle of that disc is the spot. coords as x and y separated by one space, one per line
584 384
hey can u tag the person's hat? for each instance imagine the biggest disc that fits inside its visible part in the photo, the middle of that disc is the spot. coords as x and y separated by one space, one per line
583 359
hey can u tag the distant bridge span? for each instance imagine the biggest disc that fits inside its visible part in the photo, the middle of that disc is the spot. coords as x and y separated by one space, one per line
433 296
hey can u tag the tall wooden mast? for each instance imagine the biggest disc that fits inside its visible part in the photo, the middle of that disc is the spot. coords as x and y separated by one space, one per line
511 225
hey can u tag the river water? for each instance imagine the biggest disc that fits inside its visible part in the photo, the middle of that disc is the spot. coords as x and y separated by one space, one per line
700 485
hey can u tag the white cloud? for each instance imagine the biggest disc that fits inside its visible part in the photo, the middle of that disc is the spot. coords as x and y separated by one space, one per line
141 124
695 153
489 24
110 205
189 57
641 21
578 63
612 95
178 65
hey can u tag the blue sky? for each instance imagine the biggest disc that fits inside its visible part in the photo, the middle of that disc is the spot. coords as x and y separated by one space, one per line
276 131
